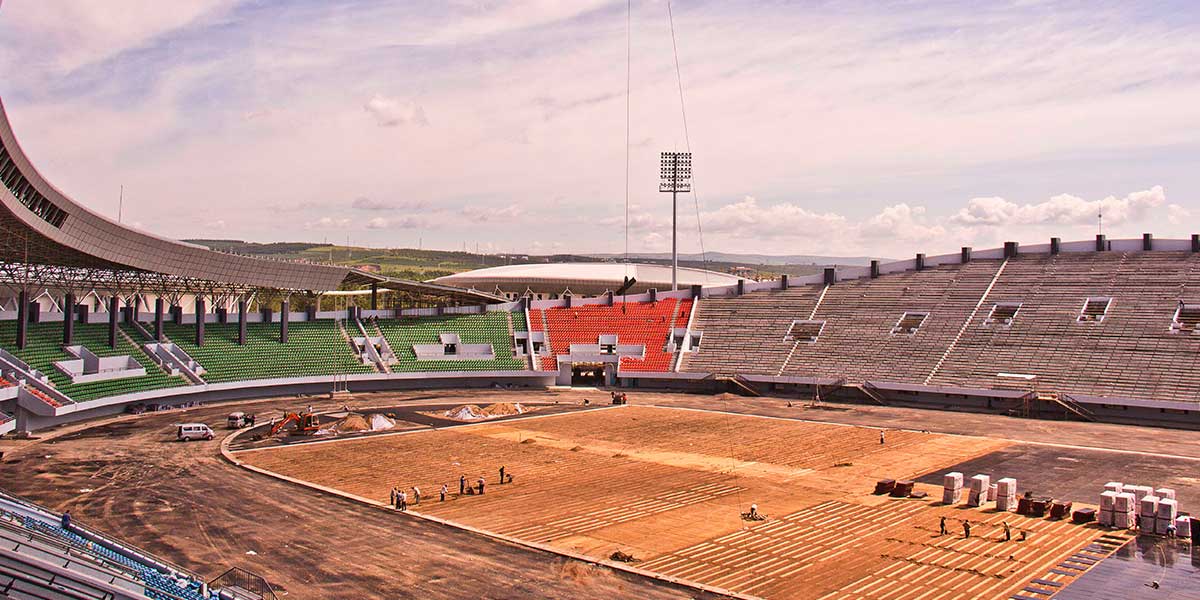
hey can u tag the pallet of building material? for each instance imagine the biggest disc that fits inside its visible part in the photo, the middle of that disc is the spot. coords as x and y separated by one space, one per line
1105 517
1146 523
1039 507
1114 487
992 490
884 486
952 480
1060 509
1083 515
1123 520
903 488
951 496
1167 509
1183 526
1006 503
1024 505
976 498
1148 506
1125 502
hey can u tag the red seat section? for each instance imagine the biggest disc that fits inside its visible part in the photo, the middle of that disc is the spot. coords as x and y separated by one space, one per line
647 324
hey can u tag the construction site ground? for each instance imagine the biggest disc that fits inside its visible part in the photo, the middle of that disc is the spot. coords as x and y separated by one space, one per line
663 485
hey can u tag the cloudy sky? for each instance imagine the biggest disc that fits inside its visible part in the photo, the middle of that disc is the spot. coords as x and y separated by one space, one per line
817 127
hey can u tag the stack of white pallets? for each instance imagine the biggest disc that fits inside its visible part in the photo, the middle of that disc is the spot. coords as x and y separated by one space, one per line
1108 501
1147 513
1115 487
1165 493
952 484
980 486
1125 507
1168 511
1006 494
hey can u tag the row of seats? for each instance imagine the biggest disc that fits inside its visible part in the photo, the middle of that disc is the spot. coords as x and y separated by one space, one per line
314 348
488 328
44 347
648 324
1129 350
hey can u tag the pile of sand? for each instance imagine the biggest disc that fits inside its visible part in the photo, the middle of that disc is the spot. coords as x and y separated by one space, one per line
503 409
471 412
466 412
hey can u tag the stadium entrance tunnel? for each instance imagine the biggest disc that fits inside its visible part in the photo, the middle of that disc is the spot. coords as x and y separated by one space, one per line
591 374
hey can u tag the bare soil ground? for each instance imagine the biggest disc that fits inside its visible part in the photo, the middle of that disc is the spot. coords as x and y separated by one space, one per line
667 487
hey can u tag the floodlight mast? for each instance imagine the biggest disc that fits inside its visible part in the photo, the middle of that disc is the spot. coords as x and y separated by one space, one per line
675 175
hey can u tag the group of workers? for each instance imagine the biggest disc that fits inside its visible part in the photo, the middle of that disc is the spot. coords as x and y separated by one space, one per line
399 498
966 525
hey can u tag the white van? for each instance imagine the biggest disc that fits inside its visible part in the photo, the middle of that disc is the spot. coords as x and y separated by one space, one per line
193 431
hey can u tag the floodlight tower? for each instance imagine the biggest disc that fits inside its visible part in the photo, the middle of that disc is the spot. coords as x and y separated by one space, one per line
675 175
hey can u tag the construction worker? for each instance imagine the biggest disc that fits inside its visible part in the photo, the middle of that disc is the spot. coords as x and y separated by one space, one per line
481 483
966 528
1170 530
754 511
66 520
462 484
402 499
1007 532
392 496
416 495
942 526
443 494
502 474
881 438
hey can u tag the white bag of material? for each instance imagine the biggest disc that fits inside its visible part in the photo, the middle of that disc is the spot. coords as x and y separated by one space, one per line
1149 506
1183 527
1167 509
992 492
1006 503
1122 520
1162 525
1105 518
1141 491
951 495
1146 524
1006 487
953 480
1113 486
1108 500
976 498
980 483
1124 502
1163 493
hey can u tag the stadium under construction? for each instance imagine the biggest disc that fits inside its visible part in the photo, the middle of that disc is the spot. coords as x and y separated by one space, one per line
806 437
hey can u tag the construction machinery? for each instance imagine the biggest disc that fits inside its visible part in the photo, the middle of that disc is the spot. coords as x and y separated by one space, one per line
306 422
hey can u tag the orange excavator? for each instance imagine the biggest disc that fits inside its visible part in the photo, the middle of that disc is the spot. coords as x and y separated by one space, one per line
307 423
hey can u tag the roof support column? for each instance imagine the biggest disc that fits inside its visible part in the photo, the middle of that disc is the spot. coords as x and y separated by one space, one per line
22 318
374 296
241 321
284 311
159 305
69 319
114 311
200 311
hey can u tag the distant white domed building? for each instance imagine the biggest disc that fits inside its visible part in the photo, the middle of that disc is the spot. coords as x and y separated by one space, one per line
553 280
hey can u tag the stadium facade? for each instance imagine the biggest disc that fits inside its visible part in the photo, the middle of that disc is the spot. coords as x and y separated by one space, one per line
1096 329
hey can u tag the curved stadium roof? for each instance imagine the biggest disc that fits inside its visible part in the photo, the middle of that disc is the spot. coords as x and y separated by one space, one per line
41 225
610 275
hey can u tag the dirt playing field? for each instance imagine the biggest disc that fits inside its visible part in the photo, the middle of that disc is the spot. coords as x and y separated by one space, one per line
667 485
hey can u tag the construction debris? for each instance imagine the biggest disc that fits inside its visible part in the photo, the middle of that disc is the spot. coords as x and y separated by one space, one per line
471 412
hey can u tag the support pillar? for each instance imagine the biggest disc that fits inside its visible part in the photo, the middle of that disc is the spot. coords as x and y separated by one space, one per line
158 319
22 318
1147 242
69 319
114 313
966 255
284 313
920 263
241 322
830 276
783 281
1101 244
1011 249
1055 245
741 287
374 296
1196 242
200 312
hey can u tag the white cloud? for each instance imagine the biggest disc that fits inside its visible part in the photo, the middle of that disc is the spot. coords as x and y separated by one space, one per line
1063 209
328 223
483 214
364 203
392 112
777 220
1178 215
901 222
404 222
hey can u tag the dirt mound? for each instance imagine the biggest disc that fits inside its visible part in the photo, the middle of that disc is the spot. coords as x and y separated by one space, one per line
466 412
501 409
350 423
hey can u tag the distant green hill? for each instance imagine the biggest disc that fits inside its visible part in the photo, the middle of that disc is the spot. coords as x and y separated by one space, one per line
423 265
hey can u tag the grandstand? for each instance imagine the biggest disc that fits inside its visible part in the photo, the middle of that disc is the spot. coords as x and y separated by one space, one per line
41 559
637 336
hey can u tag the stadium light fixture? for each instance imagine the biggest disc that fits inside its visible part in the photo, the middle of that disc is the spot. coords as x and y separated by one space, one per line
675 175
